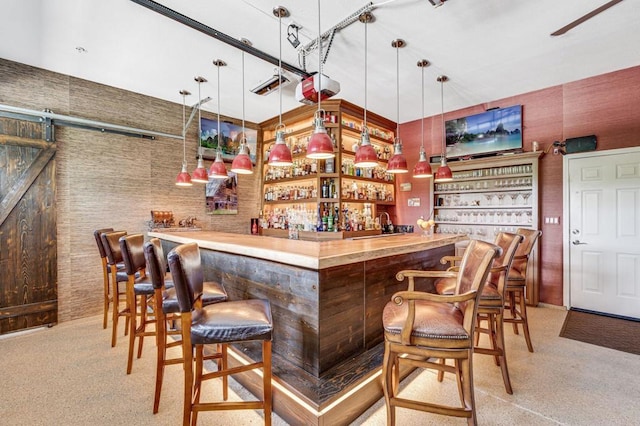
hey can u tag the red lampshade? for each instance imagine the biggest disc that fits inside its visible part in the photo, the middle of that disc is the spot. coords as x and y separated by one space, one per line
280 155
366 156
320 144
218 169
422 168
200 173
183 179
242 163
397 163
444 172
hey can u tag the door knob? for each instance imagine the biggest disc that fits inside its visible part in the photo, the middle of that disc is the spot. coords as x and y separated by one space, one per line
577 243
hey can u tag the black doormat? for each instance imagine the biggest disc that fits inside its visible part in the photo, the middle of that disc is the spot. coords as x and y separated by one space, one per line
602 330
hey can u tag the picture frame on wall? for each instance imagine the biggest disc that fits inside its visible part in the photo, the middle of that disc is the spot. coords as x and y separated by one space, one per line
230 139
221 195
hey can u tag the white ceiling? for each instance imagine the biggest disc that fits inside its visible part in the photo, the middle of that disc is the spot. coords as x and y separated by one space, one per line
490 49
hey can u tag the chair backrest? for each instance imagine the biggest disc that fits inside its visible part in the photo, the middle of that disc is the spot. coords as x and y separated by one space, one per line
474 269
154 255
509 244
111 244
96 234
521 260
132 249
186 270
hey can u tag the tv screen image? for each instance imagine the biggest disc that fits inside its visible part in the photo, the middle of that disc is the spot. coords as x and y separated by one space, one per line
490 132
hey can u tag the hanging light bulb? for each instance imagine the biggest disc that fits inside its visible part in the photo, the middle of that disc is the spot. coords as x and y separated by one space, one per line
280 154
397 163
242 163
422 168
184 179
444 171
218 170
366 156
200 173
320 145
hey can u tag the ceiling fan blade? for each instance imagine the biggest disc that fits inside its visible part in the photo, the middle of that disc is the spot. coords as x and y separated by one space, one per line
588 16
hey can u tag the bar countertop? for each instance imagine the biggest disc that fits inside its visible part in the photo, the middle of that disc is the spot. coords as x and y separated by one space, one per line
311 254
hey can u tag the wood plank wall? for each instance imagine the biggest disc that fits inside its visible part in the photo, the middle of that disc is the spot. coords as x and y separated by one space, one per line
107 180
605 105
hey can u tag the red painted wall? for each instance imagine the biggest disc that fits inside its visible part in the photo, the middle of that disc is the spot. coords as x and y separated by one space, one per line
607 106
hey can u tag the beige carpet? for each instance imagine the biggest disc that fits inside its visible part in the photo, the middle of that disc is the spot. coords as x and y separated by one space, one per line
69 375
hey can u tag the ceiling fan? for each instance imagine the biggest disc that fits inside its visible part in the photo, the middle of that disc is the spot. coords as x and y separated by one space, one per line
586 17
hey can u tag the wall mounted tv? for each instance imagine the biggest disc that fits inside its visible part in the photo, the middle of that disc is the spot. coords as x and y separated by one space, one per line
494 131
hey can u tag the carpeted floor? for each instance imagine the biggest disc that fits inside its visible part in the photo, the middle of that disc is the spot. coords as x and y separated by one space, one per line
609 332
69 375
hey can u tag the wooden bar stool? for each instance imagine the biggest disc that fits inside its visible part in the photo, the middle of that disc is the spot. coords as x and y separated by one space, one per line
490 304
140 291
213 292
220 324
516 304
111 245
426 325
106 271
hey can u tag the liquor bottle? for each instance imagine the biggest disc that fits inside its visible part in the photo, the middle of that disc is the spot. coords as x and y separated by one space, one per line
325 219
336 220
332 190
325 189
319 224
330 220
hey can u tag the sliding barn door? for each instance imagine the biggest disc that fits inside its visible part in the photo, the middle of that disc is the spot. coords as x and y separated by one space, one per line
28 258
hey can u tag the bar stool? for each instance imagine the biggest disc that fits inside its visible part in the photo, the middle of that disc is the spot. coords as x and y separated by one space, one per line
111 245
491 303
213 292
516 304
220 324
140 291
427 325
106 270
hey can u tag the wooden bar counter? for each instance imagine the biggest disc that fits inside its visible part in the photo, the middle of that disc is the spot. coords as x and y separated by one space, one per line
326 299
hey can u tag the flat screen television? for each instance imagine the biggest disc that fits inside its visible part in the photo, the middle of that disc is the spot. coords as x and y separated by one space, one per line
493 131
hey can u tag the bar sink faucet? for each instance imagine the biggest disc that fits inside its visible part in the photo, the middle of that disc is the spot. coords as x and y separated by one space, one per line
389 224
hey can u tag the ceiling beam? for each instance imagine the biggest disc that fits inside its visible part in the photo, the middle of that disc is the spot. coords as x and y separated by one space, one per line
192 23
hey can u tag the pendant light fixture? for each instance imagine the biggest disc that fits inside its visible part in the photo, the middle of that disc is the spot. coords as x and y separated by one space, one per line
422 168
397 163
242 163
320 145
444 172
218 170
366 156
184 179
200 173
280 154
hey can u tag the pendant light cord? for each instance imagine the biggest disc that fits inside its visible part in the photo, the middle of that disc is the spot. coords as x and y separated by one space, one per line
243 129
365 75
398 90
442 117
199 122
319 61
422 121
219 138
184 130
280 67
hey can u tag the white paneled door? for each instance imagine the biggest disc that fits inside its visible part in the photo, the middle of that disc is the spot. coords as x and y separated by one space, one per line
604 231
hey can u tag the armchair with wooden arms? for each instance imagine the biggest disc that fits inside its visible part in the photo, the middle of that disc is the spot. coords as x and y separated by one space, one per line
421 326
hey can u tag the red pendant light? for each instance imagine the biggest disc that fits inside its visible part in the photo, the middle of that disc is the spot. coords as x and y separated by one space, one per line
184 179
320 145
200 173
280 154
366 156
397 163
218 170
242 163
443 173
422 168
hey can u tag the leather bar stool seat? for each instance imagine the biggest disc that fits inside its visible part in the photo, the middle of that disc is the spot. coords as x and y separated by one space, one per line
213 292
419 327
219 324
